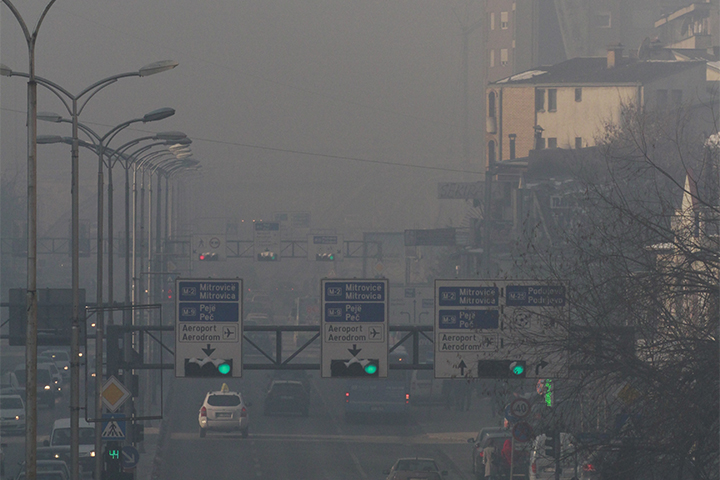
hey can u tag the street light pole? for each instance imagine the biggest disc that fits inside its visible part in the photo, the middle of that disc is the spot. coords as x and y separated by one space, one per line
31 292
74 111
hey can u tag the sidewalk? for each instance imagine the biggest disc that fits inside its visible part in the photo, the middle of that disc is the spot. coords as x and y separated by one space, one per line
147 457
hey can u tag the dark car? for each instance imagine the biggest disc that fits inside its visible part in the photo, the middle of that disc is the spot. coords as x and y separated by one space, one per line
287 396
296 375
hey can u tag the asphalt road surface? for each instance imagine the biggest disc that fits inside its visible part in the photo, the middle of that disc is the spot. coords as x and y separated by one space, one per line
320 447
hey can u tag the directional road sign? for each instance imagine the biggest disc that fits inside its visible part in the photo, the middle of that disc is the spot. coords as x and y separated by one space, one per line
496 328
354 328
325 248
130 457
208 328
209 246
267 242
113 429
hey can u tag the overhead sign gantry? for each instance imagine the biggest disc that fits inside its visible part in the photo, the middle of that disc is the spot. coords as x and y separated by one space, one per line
498 329
354 325
208 328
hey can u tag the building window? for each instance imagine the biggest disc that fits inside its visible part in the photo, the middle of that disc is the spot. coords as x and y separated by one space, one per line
491 152
512 145
676 96
539 143
491 104
578 94
539 100
552 142
504 20
552 100
601 20
661 99
492 20
578 142
492 58
503 56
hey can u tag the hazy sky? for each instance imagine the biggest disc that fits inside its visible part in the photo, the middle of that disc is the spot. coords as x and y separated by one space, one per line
261 86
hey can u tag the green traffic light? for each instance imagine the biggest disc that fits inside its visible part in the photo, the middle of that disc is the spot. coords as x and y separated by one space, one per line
371 369
518 369
224 369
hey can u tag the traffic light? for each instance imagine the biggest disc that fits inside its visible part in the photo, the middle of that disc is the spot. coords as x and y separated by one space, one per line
324 257
208 257
111 460
549 393
502 369
267 256
552 444
206 367
368 367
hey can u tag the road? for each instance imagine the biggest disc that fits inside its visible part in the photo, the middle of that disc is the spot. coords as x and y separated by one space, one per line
321 447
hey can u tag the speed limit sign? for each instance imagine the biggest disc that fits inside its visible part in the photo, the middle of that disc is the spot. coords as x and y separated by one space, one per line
519 408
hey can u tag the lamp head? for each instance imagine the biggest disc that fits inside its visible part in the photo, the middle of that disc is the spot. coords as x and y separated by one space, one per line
175 137
158 114
5 71
157 67
46 139
49 117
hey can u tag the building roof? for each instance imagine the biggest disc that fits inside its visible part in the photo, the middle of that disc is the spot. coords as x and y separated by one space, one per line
593 70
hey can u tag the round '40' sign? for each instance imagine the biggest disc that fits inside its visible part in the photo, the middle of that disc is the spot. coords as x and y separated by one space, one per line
519 408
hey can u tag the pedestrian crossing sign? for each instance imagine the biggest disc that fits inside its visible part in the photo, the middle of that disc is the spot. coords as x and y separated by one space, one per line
113 429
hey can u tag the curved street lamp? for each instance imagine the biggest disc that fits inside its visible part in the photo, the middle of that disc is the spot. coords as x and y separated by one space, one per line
100 143
74 110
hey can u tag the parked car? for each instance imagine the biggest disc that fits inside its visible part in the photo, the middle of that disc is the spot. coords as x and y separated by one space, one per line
12 414
223 410
287 396
486 436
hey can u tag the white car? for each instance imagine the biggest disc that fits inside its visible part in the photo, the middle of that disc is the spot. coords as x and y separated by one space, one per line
60 437
12 414
223 410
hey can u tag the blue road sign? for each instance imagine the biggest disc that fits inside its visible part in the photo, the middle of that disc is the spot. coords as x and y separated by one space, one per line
469 319
353 312
130 457
535 296
470 296
113 429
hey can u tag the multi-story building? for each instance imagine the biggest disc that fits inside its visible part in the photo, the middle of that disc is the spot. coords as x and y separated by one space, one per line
568 105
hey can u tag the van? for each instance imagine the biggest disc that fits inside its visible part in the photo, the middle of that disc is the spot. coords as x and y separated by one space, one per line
60 437
425 388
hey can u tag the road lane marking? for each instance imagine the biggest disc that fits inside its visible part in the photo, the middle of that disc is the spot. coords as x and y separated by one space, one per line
453 438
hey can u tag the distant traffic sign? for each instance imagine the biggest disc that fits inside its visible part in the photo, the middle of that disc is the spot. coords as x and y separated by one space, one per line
208 328
325 248
113 429
522 432
354 325
114 393
130 457
209 248
489 328
520 408
267 241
